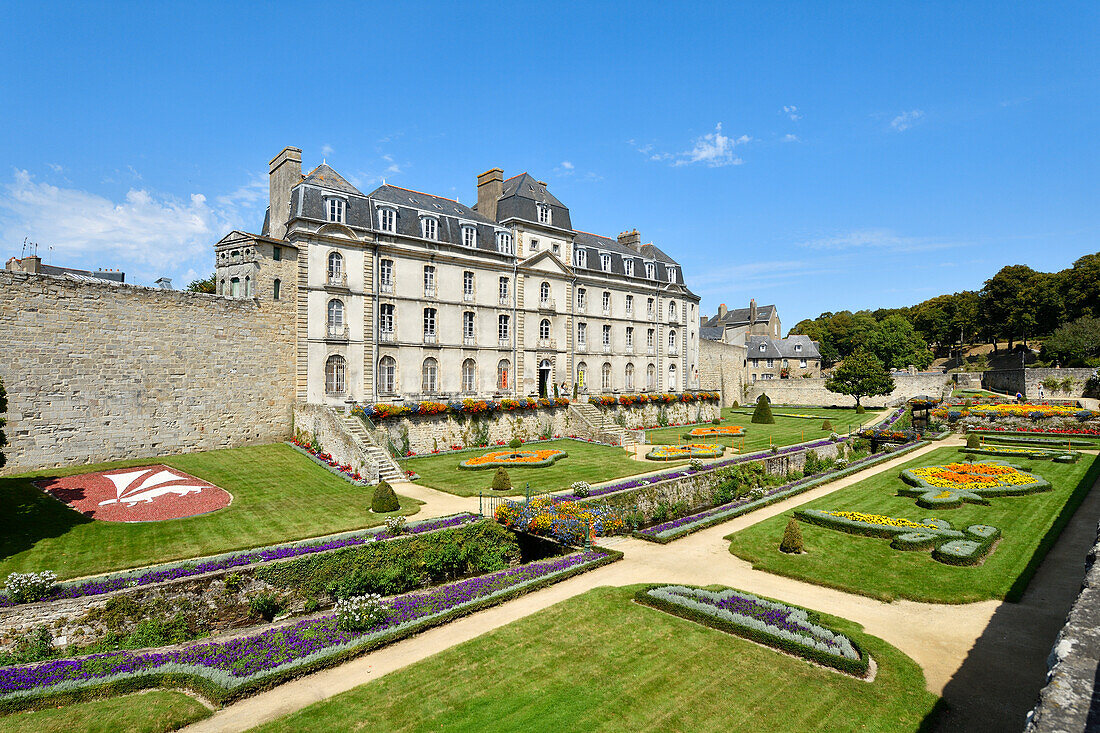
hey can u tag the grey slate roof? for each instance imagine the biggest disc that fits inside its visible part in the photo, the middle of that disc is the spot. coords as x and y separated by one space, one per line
326 177
711 333
594 244
740 316
451 214
782 348
519 197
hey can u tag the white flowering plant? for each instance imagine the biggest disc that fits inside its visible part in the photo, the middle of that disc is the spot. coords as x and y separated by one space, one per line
359 613
581 489
396 525
27 587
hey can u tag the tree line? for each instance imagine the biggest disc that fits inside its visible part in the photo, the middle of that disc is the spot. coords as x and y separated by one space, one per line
1017 304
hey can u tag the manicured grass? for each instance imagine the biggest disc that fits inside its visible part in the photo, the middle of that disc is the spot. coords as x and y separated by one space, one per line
148 712
591 462
600 662
278 495
869 566
785 431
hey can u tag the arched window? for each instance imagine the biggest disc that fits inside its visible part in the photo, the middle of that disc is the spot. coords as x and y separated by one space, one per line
671 377
544 293
335 317
235 287
630 377
387 375
544 328
247 287
277 289
582 376
429 383
335 267
672 310
334 375
605 374
469 376
504 367
672 341
651 377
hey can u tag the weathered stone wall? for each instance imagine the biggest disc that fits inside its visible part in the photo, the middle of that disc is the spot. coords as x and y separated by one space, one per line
440 432
98 372
318 421
813 392
637 417
1027 381
1070 699
722 369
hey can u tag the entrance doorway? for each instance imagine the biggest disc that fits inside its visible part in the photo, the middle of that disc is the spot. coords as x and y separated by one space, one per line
544 378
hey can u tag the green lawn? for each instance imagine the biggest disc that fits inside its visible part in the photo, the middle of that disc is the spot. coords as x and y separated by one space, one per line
589 462
600 662
785 431
869 566
278 495
148 712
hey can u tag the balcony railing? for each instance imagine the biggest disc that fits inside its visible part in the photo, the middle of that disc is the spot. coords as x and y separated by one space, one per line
505 343
582 306
582 346
431 338
607 348
468 297
429 291
673 351
505 300
469 340
337 280
548 343
386 287
607 310
650 351
387 337
547 304
337 333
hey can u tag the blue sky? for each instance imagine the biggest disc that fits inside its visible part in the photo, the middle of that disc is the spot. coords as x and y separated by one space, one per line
820 156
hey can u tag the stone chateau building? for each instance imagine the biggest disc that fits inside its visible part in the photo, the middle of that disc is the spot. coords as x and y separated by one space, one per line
404 295
766 355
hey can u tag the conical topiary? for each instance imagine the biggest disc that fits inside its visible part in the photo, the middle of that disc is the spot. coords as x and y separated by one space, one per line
384 499
973 441
501 481
792 538
860 410
827 425
763 411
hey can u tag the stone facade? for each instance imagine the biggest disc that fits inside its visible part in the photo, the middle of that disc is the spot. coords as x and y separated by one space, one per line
97 371
317 421
638 417
722 369
1027 381
813 392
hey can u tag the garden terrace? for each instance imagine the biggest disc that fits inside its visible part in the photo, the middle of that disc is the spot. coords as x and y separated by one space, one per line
868 566
785 431
590 462
673 668
279 495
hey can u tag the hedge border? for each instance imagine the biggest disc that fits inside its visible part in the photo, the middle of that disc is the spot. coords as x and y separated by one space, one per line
849 666
920 489
1038 441
548 461
667 536
264 681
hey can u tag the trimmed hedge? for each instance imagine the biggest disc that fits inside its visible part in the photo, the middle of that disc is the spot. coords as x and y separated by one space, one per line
1040 441
931 497
857 667
1037 454
384 499
763 412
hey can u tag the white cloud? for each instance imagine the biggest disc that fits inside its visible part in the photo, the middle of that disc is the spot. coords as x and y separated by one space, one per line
792 112
880 240
55 167
392 166
146 234
565 168
906 120
327 149
790 138
713 150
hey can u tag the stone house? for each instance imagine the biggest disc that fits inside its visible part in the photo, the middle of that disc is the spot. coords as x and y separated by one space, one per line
766 355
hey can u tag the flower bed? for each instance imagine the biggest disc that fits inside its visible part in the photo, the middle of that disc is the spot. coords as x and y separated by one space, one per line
463 449
689 450
660 398
713 431
1023 430
1060 442
386 410
172 571
232 668
952 485
1024 410
524 458
672 530
566 521
1035 454
778 625
949 546
326 461
887 435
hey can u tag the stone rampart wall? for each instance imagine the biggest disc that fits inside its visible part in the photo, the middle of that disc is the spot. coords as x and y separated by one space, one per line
812 391
637 417
1027 381
722 369
99 372
319 421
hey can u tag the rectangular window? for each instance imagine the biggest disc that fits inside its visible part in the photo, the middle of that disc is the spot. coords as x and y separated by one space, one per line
607 302
650 335
651 270
580 258
502 328
628 265
671 274
429 280
649 307
467 325
534 245
387 220
429 227
277 253
605 263
385 319
802 363
429 323
582 298
504 298
544 214
277 287
336 210
630 305
582 334
385 275
468 285
504 243
469 236
771 363
630 337
607 335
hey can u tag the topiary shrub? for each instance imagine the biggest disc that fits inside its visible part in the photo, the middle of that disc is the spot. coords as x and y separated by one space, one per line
973 441
827 425
735 404
860 410
501 481
384 499
763 412
716 421
792 539
515 443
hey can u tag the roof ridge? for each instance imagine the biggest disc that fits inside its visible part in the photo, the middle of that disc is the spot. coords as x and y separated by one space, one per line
425 193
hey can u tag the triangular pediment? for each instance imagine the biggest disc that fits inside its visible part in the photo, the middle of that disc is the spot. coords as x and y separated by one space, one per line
546 261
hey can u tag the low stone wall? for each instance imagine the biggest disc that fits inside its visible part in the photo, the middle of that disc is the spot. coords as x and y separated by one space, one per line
636 417
1027 381
812 391
440 432
1071 701
697 490
319 421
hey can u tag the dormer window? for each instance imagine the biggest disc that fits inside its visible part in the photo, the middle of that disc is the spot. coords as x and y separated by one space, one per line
534 245
629 266
429 227
671 274
469 236
763 348
580 258
605 263
504 243
651 271
798 347
544 214
387 220
335 209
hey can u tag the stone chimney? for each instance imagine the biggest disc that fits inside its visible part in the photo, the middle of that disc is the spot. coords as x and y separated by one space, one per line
285 172
30 263
490 185
722 310
752 311
631 239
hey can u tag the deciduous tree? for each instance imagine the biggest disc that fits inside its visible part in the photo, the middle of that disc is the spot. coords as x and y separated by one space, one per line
861 375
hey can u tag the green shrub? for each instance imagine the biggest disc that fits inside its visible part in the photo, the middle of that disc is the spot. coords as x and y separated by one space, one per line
384 499
827 425
265 605
763 412
716 421
515 443
501 480
973 441
860 409
792 539
735 404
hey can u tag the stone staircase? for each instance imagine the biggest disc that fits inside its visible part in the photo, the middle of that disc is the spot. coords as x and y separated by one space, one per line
387 467
599 427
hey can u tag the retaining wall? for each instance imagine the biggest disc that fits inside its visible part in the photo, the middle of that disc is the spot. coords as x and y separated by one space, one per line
1027 381
812 391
